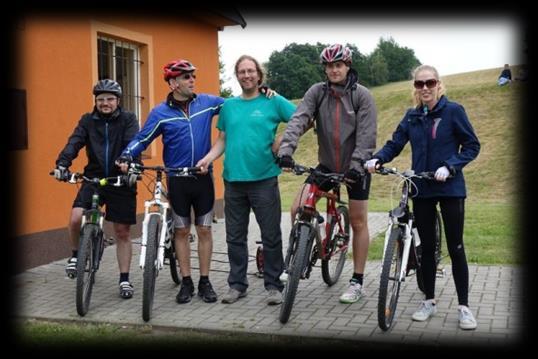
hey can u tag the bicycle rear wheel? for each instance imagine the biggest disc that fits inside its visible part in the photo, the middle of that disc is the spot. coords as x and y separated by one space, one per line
150 267
296 261
437 253
85 267
170 252
336 248
389 285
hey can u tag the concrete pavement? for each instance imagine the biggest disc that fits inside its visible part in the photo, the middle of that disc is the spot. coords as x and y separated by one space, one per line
495 298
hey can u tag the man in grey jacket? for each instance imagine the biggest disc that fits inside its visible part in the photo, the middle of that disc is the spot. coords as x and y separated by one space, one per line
346 122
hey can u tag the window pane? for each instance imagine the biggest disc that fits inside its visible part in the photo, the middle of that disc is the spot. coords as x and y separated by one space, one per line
118 60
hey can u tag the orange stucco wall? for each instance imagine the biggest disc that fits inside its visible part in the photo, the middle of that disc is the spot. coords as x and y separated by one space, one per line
59 71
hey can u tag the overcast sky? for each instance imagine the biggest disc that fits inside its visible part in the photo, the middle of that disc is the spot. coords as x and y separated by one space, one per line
451 45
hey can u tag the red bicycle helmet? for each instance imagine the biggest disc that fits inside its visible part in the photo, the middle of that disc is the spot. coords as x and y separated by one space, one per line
335 53
176 68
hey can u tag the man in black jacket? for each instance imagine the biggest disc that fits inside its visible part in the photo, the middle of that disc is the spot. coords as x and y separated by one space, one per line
104 132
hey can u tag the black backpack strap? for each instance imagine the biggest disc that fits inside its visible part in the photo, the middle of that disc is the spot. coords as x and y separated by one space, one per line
355 93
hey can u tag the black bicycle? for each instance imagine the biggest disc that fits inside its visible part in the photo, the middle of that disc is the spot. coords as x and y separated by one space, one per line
402 249
91 240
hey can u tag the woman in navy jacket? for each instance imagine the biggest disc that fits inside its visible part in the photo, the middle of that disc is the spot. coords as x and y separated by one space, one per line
442 140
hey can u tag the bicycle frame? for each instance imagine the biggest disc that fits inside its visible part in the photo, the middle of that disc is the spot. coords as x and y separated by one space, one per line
410 234
158 206
309 215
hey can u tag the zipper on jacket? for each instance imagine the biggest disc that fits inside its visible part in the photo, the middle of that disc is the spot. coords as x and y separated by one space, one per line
106 149
336 134
187 116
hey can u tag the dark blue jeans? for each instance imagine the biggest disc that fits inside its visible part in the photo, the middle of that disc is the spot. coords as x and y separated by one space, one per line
263 197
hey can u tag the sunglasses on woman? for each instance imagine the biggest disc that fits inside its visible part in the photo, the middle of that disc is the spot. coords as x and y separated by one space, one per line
431 83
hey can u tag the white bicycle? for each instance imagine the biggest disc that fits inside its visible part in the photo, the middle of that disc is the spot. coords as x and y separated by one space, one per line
157 232
402 249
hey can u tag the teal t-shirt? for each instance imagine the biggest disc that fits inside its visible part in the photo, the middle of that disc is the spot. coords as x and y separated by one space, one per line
250 127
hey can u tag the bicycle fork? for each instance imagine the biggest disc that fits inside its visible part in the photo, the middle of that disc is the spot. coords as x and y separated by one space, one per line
407 242
162 236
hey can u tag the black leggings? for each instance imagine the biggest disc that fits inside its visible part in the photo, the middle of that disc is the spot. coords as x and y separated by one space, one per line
453 213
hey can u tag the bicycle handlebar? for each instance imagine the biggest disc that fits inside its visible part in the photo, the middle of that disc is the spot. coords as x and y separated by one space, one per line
175 171
334 177
429 175
76 177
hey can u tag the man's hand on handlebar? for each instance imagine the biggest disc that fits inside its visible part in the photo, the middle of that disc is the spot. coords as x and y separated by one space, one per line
286 163
123 162
61 173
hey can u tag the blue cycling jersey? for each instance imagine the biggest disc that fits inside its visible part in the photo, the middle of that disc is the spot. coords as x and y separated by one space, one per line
186 136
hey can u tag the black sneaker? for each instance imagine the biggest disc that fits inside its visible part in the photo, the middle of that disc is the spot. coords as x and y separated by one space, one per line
126 290
206 292
185 293
71 268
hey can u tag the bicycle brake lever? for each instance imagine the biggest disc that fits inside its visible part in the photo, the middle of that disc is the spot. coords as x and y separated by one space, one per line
72 178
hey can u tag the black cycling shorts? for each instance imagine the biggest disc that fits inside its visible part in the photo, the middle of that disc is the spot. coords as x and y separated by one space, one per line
120 202
197 193
359 190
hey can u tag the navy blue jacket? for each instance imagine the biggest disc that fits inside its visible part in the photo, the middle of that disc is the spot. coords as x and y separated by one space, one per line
104 138
442 137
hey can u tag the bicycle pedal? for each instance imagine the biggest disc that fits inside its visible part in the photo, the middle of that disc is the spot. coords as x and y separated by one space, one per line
440 273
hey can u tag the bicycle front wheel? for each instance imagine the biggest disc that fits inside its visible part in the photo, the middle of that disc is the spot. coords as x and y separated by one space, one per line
150 267
389 285
336 248
85 267
298 259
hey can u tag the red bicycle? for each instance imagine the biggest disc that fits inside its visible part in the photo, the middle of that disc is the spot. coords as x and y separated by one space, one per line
306 244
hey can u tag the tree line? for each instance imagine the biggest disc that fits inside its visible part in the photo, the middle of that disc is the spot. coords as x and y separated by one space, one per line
297 67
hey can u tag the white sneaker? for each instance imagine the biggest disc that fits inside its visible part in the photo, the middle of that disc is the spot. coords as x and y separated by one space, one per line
274 297
427 309
466 318
352 294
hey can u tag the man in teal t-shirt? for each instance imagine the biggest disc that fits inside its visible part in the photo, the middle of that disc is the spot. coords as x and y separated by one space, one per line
248 125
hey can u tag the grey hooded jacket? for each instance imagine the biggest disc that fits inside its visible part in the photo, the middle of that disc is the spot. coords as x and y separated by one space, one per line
346 124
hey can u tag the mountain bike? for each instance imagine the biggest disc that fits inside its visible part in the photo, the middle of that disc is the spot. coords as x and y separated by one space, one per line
91 241
402 249
157 232
306 244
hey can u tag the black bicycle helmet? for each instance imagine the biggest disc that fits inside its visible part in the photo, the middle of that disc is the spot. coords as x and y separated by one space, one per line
107 86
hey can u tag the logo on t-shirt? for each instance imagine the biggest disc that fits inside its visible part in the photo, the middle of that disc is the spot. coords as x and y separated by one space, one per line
256 113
